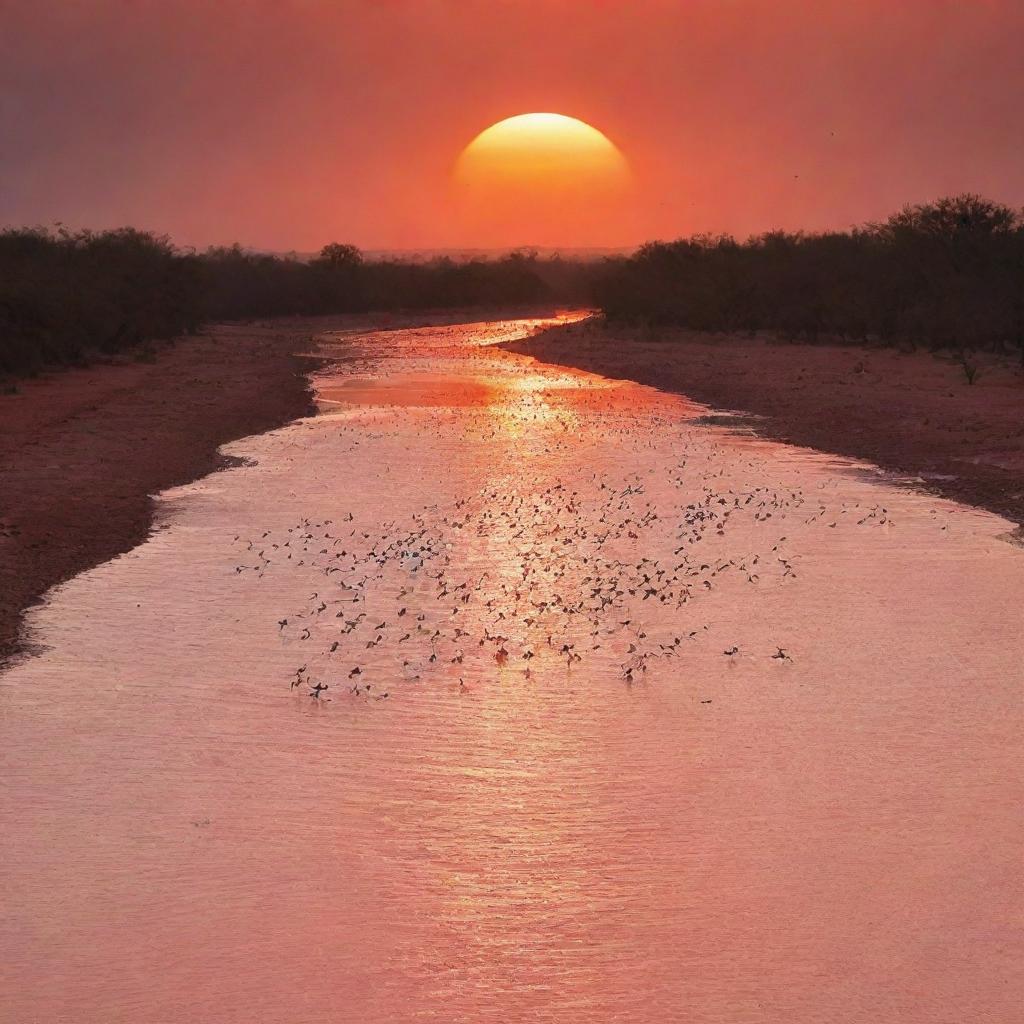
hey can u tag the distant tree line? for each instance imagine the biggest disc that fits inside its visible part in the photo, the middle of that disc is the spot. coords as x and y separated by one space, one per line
944 274
65 296
948 274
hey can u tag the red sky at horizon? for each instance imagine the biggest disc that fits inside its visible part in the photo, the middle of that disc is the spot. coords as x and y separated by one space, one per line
288 124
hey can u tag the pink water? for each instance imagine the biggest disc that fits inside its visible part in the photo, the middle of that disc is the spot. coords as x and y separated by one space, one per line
573 805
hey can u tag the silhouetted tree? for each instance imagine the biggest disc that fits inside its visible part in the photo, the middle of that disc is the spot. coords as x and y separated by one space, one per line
944 274
64 295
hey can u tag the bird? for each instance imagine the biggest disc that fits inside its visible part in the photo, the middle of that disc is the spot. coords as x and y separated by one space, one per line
560 565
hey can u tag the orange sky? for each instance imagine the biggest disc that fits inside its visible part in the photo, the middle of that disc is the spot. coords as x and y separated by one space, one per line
288 123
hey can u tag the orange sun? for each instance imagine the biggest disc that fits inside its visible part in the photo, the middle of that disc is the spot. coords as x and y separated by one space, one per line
541 179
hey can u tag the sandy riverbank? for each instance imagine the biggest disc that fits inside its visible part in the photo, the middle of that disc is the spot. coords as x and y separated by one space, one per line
912 413
82 451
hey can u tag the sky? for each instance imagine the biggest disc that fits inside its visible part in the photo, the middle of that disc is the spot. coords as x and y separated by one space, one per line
287 124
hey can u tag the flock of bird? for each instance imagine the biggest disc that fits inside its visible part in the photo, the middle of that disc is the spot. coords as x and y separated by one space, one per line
562 563
545 577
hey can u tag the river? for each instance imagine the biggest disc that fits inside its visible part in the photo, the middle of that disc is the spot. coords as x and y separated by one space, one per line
500 692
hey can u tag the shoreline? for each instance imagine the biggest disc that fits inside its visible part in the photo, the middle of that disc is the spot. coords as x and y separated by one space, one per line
83 450
912 414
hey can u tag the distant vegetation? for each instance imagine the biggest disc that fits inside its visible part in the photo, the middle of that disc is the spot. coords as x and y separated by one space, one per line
948 274
64 296
67 296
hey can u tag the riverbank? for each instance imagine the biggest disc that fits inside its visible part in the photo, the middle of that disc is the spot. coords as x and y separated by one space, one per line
83 450
912 413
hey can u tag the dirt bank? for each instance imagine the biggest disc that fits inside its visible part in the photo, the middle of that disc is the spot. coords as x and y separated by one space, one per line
912 413
81 451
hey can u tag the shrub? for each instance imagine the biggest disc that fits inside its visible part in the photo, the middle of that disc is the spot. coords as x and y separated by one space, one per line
948 274
65 295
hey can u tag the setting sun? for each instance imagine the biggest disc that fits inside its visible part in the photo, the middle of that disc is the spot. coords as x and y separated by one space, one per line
540 178
550 150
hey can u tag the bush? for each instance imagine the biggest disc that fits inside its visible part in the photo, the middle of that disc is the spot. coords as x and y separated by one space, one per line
65 295
945 274
948 274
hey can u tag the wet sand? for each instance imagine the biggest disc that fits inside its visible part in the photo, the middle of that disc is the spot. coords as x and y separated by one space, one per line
653 720
911 413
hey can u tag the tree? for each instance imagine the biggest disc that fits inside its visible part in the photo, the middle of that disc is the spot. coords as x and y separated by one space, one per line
338 255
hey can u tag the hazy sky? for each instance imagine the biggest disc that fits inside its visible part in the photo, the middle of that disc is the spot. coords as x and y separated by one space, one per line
288 123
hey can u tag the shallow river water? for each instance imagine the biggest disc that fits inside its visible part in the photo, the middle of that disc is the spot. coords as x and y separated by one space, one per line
628 716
